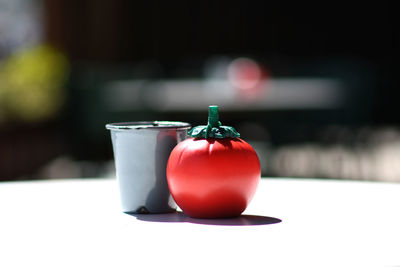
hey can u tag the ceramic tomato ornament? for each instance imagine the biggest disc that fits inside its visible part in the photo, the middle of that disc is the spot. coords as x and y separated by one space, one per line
213 174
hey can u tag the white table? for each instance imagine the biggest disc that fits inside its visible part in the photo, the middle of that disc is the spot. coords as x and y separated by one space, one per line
293 223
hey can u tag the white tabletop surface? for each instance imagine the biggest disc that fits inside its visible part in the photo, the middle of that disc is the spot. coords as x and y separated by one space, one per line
290 222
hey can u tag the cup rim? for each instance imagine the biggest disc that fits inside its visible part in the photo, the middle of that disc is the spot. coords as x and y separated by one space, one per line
137 125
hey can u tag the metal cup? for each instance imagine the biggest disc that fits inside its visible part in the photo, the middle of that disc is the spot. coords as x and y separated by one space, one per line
141 152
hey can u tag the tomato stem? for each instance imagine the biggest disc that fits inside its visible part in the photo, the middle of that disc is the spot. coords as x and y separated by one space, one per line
213 116
214 128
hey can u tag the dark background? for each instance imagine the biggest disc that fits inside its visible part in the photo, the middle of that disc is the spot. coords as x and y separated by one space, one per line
114 40
294 39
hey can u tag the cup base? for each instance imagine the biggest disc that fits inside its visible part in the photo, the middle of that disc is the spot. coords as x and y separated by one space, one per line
144 210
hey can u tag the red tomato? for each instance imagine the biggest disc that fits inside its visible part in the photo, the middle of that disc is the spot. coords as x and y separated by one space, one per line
213 178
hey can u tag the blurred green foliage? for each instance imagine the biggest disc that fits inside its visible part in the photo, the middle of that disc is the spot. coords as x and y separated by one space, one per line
31 84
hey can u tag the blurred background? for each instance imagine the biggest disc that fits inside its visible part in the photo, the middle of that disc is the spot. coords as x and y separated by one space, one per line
312 88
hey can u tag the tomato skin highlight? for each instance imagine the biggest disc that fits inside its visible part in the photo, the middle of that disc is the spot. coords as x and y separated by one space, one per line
213 178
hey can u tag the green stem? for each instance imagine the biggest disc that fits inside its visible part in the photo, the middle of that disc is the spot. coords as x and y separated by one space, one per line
214 128
213 119
213 116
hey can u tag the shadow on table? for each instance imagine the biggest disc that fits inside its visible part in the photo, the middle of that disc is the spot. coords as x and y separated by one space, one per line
182 218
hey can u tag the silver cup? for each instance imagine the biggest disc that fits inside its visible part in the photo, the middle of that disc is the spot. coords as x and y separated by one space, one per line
141 152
